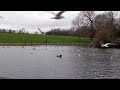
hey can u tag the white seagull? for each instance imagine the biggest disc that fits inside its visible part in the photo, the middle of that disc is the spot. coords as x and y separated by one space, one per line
107 45
58 15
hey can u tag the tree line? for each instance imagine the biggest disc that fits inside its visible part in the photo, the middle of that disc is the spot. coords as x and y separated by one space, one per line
103 27
22 31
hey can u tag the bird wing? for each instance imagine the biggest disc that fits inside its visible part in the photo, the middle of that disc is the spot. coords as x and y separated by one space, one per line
61 12
1 17
53 13
39 29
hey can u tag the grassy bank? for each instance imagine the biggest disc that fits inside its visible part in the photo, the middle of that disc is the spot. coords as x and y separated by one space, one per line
40 39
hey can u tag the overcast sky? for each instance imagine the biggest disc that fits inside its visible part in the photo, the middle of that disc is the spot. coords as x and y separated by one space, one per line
31 20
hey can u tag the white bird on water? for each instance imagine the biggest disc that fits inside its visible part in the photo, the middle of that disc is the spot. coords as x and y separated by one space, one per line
79 55
107 45
58 15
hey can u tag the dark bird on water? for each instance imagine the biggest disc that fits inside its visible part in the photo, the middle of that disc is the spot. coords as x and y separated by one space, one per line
34 49
59 56
58 15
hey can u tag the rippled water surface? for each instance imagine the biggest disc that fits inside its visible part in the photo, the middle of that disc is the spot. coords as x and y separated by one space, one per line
77 62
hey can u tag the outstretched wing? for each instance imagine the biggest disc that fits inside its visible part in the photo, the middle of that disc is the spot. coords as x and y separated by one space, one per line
1 17
61 12
53 13
39 29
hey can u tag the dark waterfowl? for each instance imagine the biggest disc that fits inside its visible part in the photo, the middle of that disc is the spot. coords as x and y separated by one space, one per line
34 49
59 56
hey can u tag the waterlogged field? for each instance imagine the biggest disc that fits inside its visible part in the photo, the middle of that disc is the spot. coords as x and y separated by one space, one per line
32 38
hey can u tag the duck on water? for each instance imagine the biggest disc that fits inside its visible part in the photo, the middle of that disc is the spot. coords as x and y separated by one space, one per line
59 56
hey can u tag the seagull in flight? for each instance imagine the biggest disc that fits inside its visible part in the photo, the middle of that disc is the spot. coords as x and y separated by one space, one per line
1 17
40 31
58 15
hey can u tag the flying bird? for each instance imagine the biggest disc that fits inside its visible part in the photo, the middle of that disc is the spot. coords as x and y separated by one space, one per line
58 15
1 17
40 31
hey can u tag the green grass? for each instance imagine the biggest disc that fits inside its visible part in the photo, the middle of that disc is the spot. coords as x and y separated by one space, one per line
21 38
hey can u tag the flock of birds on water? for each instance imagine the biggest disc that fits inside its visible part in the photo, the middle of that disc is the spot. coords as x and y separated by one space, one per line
34 48
60 56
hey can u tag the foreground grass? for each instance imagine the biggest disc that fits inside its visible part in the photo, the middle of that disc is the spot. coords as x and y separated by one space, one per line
32 38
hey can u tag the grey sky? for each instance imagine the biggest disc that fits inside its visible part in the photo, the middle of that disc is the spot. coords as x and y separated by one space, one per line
31 20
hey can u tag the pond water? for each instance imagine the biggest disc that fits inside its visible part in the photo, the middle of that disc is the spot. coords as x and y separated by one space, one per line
41 62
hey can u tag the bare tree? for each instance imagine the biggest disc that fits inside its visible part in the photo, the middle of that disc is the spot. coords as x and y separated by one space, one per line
107 20
23 30
85 18
13 31
10 31
89 17
27 32
111 16
117 27
76 23
20 31
100 21
83 31
105 27
103 35
36 32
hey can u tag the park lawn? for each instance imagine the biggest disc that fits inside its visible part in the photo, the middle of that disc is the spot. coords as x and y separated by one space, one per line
37 38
